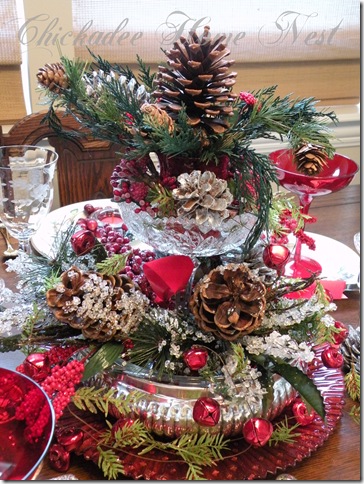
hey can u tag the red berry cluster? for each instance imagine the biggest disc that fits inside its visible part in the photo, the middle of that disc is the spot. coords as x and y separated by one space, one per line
289 225
116 241
127 186
61 384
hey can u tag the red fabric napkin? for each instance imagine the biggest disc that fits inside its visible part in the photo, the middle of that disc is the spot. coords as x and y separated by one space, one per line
168 275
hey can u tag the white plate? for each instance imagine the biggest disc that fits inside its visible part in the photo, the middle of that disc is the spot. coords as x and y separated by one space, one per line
43 240
338 261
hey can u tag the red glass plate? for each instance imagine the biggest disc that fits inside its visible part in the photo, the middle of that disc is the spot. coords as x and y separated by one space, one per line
246 463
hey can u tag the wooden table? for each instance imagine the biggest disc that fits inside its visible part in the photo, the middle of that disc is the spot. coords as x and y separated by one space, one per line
339 458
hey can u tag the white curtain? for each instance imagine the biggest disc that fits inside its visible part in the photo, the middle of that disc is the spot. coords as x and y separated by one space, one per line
307 48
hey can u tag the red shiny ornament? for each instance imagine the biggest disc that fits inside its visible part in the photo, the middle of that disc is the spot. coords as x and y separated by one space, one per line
59 458
70 439
301 414
121 423
275 256
83 242
342 335
257 431
195 358
332 357
91 224
206 412
37 366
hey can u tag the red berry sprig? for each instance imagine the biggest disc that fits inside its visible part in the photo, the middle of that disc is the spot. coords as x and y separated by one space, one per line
61 384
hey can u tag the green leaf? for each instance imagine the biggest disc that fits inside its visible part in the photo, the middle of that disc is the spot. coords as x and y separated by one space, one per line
301 382
102 359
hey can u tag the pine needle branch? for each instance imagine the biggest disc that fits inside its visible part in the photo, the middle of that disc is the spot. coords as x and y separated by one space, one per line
93 400
113 265
352 383
110 464
284 433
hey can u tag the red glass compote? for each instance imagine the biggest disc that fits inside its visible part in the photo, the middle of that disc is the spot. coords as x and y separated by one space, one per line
336 175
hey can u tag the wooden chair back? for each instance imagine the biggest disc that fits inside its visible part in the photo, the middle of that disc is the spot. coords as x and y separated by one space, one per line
84 166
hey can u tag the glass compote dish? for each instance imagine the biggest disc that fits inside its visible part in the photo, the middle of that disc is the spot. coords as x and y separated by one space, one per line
336 174
26 195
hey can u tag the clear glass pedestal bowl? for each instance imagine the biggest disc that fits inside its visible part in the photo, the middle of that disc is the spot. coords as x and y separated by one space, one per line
176 235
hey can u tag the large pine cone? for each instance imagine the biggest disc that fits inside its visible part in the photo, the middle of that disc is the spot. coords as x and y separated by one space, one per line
197 77
229 301
350 349
102 307
203 197
53 77
310 159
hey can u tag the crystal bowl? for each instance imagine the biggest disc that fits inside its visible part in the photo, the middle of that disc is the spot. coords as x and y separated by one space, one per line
177 235
27 424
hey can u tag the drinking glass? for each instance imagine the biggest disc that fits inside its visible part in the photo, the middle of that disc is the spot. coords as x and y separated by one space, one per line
26 193
335 175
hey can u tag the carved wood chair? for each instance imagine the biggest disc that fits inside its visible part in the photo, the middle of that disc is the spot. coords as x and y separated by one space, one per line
84 165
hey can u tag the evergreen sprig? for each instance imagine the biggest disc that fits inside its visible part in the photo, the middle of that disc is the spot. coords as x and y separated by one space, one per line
284 433
100 399
109 462
352 383
113 264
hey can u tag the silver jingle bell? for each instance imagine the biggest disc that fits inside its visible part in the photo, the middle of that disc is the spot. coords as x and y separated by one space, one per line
285 477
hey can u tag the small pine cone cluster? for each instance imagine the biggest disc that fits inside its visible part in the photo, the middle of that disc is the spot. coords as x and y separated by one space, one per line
310 159
102 307
155 116
203 196
53 77
229 301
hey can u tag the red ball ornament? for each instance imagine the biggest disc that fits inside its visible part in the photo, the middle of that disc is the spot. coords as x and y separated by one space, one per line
257 431
195 358
301 414
37 366
70 439
83 242
121 423
206 412
59 458
342 335
275 256
332 357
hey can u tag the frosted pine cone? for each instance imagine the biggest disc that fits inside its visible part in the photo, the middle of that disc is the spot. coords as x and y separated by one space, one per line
102 307
229 301
350 349
203 197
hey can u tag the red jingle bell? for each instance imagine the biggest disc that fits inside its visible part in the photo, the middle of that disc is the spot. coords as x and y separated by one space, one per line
195 358
301 414
206 412
257 431
121 423
83 241
37 366
343 333
332 357
59 458
70 439
275 256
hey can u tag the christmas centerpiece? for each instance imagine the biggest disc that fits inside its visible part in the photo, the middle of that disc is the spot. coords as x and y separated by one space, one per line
176 336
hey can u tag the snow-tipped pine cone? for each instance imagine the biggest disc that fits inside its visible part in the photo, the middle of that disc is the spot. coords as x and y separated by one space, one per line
202 197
